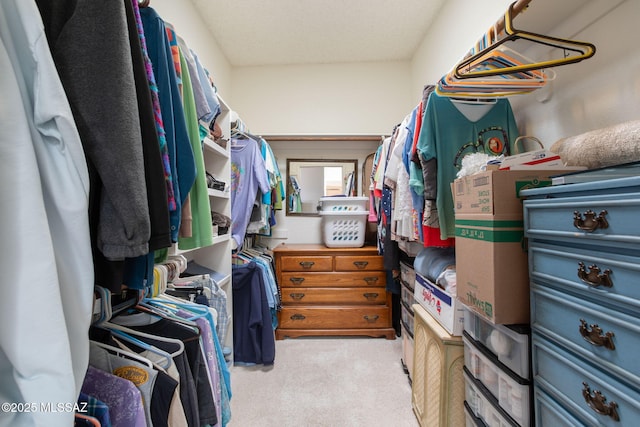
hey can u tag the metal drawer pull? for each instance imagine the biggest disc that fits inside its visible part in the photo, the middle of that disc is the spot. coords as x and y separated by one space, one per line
360 264
593 335
371 319
297 317
297 296
370 280
296 280
591 222
306 264
595 276
597 402
370 295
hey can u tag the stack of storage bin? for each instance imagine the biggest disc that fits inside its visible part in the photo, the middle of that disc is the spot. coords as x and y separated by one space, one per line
344 221
497 373
407 279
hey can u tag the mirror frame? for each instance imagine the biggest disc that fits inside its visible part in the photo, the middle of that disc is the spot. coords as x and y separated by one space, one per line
328 162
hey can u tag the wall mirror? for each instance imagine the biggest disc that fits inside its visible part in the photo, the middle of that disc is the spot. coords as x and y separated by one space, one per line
308 180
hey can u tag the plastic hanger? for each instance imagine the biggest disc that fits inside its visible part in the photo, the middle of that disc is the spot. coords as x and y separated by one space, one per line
115 327
123 353
121 336
581 50
198 310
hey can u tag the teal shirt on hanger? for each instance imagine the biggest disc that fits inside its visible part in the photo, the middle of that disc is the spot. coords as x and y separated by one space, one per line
445 129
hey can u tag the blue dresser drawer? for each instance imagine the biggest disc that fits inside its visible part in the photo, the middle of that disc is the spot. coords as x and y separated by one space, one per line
559 316
583 387
606 277
611 220
551 413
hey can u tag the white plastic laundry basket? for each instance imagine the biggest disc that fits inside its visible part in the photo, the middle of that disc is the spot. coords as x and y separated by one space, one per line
344 229
344 204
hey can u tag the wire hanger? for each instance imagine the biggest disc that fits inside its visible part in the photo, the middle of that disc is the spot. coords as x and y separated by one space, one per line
574 51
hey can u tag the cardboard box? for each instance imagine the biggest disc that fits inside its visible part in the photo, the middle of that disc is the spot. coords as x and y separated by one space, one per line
491 267
443 306
496 192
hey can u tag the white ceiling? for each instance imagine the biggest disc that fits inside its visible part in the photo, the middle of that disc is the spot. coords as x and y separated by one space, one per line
262 32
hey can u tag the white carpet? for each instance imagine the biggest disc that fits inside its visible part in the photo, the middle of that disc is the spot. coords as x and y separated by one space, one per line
325 382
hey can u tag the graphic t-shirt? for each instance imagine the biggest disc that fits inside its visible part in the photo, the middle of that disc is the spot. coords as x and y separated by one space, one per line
248 174
445 130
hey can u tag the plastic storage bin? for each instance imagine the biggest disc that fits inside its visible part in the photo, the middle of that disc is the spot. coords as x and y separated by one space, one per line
481 408
344 229
407 274
512 392
407 296
344 204
510 344
407 318
470 419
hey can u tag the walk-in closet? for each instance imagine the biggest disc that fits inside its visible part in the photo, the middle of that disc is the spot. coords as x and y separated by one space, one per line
299 213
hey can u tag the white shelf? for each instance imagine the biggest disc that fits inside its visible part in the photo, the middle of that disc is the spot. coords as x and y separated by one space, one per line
225 281
217 193
221 238
212 146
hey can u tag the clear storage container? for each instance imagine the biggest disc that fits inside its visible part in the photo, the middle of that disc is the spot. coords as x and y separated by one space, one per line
512 392
481 408
509 343
407 318
407 296
407 274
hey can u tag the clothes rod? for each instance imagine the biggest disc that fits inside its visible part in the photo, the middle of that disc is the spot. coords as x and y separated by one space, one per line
518 7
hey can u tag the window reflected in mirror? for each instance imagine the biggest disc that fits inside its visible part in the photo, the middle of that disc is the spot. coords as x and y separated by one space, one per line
308 180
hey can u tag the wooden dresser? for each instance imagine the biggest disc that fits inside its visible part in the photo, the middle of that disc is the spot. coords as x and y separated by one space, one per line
332 291
584 263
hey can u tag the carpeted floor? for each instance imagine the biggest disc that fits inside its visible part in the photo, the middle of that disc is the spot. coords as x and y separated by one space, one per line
315 382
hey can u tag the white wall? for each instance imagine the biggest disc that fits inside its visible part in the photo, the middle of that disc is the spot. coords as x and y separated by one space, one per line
304 229
189 25
598 92
344 99
456 29
601 91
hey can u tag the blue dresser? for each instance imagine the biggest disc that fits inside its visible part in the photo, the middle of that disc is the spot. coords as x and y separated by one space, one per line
584 267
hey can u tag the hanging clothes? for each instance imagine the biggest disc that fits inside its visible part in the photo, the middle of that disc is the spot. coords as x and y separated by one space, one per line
248 175
178 142
103 82
45 246
253 335
201 230
117 393
445 129
137 271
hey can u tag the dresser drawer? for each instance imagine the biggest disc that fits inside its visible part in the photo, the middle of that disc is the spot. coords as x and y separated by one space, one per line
346 317
559 316
359 263
550 413
601 276
307 263
334 295
583 387
366 279
576 219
